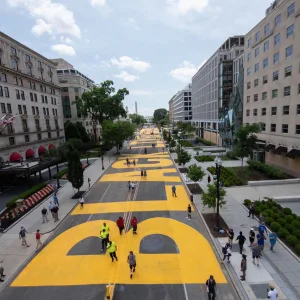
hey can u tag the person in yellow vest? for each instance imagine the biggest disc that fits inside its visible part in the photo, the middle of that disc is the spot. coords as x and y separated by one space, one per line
106 228
112 248
103 237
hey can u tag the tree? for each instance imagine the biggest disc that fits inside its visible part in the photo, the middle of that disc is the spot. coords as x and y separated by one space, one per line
82 131
209 198
71 131
159 114
195 173
172 143
115 133
75 170
137 119
185 128
246 140
182 155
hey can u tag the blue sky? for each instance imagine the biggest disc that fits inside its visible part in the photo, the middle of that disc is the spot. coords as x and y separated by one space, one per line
151 47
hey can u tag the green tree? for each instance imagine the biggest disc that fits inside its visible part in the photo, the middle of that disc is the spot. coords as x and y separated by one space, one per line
195 173
137 119
71 131
115 133
75 170
246 140
182 155
172 143
185 128
209 198
159 114
82 131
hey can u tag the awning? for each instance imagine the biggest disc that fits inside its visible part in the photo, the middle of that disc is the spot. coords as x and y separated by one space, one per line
15 157
51 146
29 153
294 153
270 147
280 150
42 149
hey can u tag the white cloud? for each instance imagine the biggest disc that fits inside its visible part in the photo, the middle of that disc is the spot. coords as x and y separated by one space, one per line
50 17
127 62
63 49
65 40
98 2
131 22
141 93
184 72
127 77
183 7
87 41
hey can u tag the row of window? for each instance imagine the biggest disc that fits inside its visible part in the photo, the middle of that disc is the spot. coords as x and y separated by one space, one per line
4 91
277 22
284 128
285 111
12 140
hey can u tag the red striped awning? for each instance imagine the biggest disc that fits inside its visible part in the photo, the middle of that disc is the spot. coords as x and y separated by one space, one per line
51 146
15 156
29 153
42 149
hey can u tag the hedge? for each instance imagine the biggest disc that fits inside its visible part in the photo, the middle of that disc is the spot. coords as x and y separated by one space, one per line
204 158
226 176
12 203
270 171
60 174
203 141
186 144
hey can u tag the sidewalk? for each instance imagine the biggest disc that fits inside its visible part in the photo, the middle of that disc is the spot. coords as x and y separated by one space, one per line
13 254
279 267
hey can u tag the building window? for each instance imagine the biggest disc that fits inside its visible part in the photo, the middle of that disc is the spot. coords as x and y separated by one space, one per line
26 138
14 64
33 110
298 88
288 71
39 136
255 112
1 91
18 94
46 100
12 140
37 111
249 56
256 51
21 81
264 96
9 108
248 85
285 128
289 51
35 97
43 99
250 43
257 36
266 46
287 91
3 108
49 135
27 57
273 111
44 111
275 76
265 79
3 77
276 58
6 92
24 109
20 109
256 67
297 129
31 97
273 127
286 110
255 98
65 89
267 29
277 20
248 99
248 112
256 82
263 111
274 94
298 109
22 95
263 126
266 62
15 80
29 71
276 39
291 9
290 31
13 51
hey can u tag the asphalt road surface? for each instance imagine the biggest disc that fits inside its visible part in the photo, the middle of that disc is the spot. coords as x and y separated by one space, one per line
174 255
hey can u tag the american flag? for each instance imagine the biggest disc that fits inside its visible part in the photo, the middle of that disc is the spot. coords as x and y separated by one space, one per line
7 119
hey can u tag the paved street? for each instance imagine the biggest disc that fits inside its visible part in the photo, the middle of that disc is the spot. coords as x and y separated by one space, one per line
174 255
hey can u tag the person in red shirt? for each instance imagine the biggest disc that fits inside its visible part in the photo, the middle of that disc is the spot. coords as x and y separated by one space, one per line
120 224
134 224
38 240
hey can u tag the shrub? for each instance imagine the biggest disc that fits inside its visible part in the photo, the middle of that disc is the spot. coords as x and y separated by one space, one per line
296 224
269 220
269 204
275 216
292 240
226 176
203 141
60 174
275 226
257 210
186 144
282 232
289 227
294 216
297 249
281 221
204 158
231 155
247 202
265 214
287 211
296 232
270 171
257 203
281 215
275 209
298 219
289 219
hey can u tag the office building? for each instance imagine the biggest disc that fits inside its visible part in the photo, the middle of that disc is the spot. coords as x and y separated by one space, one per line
212 87
30 103
171 110
73 84
182 105
272 84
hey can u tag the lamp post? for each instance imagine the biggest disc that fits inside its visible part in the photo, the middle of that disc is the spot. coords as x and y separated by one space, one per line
218 162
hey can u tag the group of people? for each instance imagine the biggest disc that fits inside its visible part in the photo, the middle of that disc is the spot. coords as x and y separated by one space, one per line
23 236
131 186
143 173
111 246
128 162
53 208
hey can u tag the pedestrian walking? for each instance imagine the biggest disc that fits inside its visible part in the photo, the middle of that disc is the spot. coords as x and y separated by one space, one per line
243 267
174 191
145 173
1 272
55 213
226 252
120 224
192 197
129 186
127 161
55 199
261 220
256 253
39 244
51 205
81 201
251 236
107 229
189 211
261 240
134 162
22 236
112 250
230 233
208 179
211 288
131 260
45 214
262 228
142 173
134 222
251 210
272 239
103 237
241 240
132 186
272 293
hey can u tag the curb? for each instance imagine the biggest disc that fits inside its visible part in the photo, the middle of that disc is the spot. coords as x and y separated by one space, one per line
235 282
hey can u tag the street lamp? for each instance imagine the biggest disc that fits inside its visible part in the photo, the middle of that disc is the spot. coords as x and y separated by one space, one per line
218 162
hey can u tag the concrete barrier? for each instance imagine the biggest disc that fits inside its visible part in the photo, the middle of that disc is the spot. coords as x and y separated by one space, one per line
273 182
283 199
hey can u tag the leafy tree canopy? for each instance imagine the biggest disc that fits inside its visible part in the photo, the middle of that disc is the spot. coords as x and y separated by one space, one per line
137 119
195 173
182 155
209 198
185 128
159 114
76 131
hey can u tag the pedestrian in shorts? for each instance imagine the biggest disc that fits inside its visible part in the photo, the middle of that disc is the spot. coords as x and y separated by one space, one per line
22 236
189 211
81 201
38 240
131 260
45 215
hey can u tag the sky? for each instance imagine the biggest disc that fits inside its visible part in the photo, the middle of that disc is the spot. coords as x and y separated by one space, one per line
151 47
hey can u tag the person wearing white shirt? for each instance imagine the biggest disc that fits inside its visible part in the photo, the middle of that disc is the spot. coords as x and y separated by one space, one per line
81 201
272 294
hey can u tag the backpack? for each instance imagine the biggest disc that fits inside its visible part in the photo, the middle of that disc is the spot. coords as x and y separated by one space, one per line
224 250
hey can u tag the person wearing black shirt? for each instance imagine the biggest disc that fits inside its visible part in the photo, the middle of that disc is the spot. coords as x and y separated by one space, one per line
211 288
241 240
